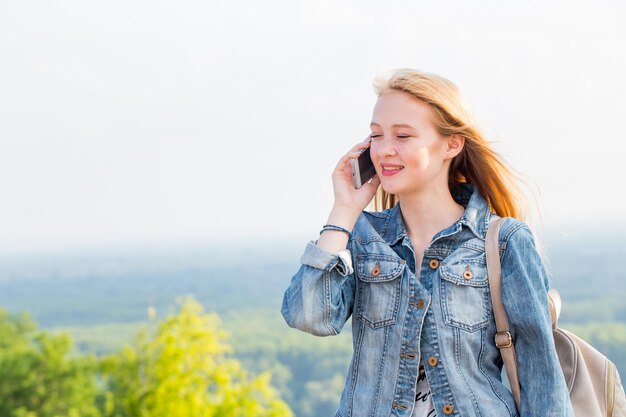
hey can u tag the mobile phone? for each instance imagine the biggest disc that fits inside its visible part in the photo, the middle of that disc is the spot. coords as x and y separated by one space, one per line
362 168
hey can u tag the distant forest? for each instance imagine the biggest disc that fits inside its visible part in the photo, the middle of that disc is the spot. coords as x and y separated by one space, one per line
101 298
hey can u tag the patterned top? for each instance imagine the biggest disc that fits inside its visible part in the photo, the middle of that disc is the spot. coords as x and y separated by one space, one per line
423 401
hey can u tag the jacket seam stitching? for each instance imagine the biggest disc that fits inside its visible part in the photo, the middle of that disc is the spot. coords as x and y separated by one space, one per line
510 232
487 377
457 336
380 369
355 358
328 304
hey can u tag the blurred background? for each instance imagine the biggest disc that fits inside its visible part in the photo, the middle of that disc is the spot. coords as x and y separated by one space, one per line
153 150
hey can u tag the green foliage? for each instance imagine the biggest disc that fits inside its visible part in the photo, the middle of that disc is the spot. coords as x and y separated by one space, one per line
37 376
185 370
183 367
604 308
103 339
309 371
102 299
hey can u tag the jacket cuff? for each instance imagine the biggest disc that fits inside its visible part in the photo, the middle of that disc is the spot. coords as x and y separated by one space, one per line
316 257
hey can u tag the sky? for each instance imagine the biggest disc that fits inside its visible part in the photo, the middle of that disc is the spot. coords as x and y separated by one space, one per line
153 120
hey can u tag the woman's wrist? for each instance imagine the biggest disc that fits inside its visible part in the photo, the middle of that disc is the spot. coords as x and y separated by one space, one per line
335 228
334 239
344 217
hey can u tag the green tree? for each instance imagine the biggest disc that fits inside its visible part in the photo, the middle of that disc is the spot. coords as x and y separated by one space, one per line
37 376
185 370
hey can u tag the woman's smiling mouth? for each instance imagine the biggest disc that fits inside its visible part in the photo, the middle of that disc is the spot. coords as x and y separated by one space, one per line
390 169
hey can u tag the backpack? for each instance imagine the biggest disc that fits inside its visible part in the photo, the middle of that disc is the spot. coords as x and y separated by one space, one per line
593 382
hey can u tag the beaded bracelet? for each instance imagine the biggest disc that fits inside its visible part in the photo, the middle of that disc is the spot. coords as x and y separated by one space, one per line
336 228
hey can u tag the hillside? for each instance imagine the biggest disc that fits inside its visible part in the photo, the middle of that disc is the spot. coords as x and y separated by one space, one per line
101 297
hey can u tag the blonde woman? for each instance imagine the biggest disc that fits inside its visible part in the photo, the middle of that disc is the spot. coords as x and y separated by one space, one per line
413 275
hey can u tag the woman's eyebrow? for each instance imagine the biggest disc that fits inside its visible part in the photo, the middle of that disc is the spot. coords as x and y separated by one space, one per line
394 125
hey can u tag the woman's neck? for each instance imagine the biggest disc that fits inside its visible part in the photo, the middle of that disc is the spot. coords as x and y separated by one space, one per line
428 212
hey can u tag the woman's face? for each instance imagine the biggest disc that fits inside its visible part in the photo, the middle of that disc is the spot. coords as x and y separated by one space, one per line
407 151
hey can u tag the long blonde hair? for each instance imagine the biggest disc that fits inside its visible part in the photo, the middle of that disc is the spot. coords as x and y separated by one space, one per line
478 163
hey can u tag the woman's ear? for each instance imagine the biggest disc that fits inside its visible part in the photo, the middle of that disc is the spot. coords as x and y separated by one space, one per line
454 145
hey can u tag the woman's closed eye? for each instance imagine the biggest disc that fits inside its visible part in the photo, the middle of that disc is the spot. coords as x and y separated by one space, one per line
399 136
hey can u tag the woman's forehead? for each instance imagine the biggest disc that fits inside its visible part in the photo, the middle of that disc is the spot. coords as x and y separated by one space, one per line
397 108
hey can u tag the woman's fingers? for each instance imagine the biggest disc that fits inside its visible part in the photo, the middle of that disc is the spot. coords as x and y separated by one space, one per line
353 153
361 145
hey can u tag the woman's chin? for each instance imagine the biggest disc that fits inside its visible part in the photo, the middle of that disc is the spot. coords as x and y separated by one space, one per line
390 189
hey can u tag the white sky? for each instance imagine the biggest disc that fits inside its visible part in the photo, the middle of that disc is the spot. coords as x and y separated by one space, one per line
191 119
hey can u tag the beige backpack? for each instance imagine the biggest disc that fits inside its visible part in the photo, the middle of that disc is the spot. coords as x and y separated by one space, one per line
594 385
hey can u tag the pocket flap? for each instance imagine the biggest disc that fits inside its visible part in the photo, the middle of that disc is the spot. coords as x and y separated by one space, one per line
465 272
379 268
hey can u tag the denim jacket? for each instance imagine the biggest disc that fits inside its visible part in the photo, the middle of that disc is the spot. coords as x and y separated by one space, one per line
439 312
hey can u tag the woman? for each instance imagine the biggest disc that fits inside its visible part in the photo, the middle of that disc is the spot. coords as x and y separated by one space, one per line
413 275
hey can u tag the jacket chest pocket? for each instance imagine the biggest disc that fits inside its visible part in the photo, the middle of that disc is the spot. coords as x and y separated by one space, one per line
465 295
378 289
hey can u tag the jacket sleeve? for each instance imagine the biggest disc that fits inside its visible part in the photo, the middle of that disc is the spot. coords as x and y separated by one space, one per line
320 297
525 286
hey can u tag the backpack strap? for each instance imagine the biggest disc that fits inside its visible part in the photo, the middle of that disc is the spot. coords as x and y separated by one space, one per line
503 338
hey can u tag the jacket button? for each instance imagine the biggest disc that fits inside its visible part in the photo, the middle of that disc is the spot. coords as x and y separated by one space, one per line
434 264
447 409
468 273
420 304
376 270
432 361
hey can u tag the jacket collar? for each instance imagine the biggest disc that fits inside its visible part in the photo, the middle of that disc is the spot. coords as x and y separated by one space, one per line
475 217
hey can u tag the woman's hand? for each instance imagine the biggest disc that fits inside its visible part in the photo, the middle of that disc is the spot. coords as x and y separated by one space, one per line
349 201
346 196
